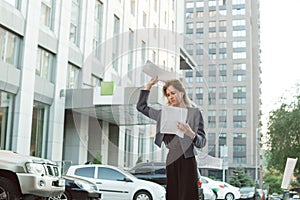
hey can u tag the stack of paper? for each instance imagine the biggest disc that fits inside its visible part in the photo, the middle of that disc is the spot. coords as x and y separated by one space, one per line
153 70
170 116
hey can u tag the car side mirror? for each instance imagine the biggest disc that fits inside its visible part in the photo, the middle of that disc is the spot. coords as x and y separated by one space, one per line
126 179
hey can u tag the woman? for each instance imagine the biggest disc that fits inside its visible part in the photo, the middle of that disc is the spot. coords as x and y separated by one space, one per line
181 163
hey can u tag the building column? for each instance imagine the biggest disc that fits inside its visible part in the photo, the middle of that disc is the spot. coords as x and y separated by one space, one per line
24 99
57 110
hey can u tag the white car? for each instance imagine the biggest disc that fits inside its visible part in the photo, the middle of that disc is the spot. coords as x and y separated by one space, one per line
208 193
117 184
222 189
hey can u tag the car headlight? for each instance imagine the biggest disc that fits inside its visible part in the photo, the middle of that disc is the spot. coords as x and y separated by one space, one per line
35 168
85 185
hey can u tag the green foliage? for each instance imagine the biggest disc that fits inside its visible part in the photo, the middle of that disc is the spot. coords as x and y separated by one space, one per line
284 135
98 158
240 178
273 178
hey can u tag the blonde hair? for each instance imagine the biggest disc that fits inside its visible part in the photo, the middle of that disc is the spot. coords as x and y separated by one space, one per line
177 84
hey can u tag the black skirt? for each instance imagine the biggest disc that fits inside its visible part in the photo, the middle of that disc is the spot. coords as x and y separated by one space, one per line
182 178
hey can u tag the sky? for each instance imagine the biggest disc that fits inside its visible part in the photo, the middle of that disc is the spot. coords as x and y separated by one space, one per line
280 56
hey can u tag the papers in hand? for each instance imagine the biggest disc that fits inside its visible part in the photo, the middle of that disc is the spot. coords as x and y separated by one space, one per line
170 116
153 70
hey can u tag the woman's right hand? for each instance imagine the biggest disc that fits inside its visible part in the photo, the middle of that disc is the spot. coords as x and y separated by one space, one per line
151 82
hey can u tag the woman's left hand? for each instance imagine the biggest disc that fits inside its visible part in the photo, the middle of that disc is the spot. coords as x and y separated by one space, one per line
186 129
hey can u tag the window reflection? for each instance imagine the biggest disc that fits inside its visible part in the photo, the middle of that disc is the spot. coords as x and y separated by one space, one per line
6 106
39 129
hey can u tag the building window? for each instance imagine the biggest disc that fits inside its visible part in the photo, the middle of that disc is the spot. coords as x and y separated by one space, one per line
6 119
212 3
189 5
238 11
211 119
190 27
128 148
239 33
74 25
189 76
239 148
222 141
132 7
238 2
141 145
130 54
211 140
239 55
239 72
199 4
199 77
200 14
144 19
98 24
189 14
239 118
212 73
38 145
44 64
239 44
223 119
115 50
155 5
238 23
9 47
199 95
47 13
72 76
223 95
14 3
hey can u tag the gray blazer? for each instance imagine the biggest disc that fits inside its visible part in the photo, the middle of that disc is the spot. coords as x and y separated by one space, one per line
194 118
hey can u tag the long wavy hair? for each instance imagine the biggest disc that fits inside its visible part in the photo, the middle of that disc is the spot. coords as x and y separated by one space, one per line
177 84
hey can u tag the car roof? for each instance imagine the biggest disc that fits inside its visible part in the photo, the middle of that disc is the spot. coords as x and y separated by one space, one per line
151 163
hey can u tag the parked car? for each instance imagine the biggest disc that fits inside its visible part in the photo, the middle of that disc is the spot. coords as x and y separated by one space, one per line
117 184
151 171
249 193
222 190
156 172
28 177
78 188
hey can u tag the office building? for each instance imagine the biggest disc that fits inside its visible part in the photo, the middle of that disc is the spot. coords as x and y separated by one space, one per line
71 71
223 38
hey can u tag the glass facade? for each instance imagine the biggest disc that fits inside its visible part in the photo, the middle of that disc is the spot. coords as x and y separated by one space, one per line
9 47
6 119
39 129
44 64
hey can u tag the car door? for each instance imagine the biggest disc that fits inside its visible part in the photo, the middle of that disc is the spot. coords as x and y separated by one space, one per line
113 184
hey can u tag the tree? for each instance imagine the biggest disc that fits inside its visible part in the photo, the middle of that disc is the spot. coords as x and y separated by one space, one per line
240 178
284 135
273 179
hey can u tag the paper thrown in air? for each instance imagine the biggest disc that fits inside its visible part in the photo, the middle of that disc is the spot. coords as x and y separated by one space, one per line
170 116
153 70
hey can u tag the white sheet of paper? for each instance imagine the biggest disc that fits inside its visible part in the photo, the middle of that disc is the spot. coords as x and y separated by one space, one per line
169 118
153 70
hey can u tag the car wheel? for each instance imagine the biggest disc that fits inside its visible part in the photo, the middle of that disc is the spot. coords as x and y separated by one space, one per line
7 189
229 196
142 195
